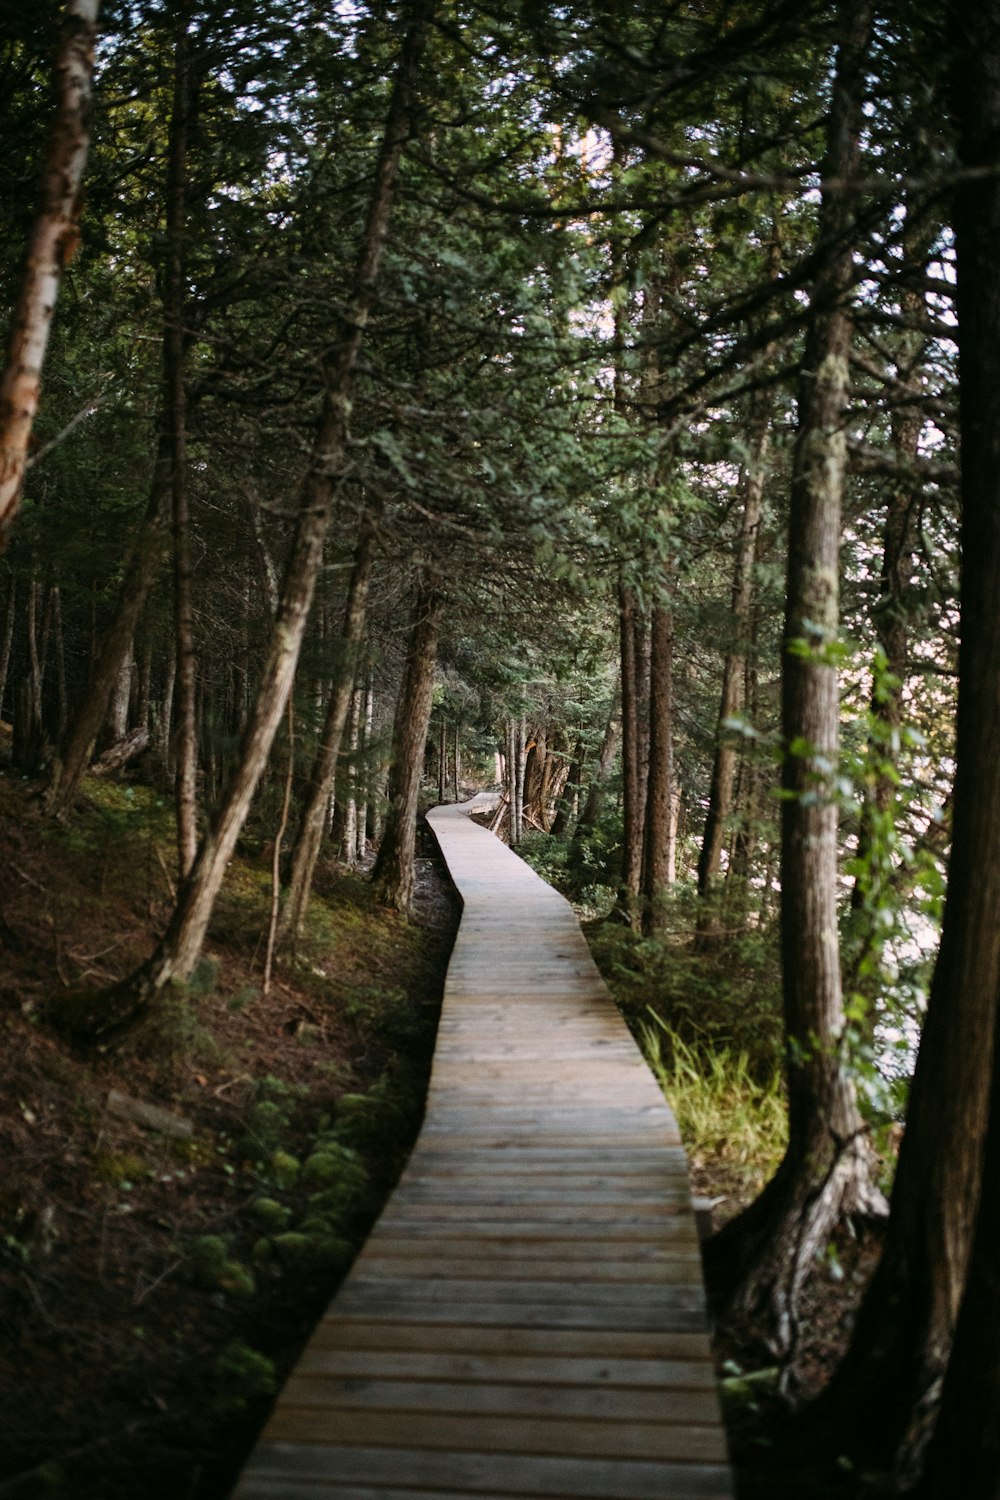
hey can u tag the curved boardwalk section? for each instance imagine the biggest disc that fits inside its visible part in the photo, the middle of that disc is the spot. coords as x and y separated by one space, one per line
527 1318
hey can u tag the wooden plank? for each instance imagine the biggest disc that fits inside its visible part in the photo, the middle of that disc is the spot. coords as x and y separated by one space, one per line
652 1296
670 1271
627 1374
340 1332
466 1398
480 1474
491 1434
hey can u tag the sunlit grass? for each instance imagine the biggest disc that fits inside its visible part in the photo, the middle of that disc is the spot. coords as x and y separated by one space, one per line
731 1122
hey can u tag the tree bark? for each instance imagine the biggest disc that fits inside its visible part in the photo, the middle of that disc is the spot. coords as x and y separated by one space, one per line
179 949
316 811
175 403
8 639
658 821
367 721
605 760
570 793
115 642
757 1263
521 767
633 800
394 876
458 761
720 797
442 759
53 244
904 1328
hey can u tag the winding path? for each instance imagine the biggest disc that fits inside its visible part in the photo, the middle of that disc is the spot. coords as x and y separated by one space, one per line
527 1317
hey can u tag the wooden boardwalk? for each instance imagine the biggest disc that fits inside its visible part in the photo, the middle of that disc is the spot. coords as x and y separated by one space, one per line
527 1318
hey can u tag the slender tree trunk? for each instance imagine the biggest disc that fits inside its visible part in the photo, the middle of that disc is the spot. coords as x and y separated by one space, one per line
632 784
316 813
511 778
121 697
167 713
570 791
658 819
53 244
350 843
179 949
367 721
394 876
115 642
758 1262
605 760
521 764
175 401
442 759
6 646
27 740
286 803
458 762
904 1329
720 797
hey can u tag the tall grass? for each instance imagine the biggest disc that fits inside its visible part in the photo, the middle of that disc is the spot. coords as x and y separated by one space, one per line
734 1126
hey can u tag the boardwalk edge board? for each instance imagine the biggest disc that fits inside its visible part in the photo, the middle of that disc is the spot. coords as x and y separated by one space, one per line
527 1318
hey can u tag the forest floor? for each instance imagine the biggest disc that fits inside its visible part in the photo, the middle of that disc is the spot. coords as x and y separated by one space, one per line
157 1284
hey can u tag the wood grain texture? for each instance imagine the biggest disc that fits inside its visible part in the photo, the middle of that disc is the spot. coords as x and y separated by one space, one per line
527 1317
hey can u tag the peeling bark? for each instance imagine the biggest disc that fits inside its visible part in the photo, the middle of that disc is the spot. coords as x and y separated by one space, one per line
53 243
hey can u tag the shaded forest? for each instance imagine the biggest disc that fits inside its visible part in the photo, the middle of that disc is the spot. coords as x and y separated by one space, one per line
595 402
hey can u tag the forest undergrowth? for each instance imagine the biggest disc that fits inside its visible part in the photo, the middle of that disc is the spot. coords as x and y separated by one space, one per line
156 1284
706 1011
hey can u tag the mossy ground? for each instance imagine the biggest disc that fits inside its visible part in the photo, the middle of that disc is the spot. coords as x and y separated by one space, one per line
155 1291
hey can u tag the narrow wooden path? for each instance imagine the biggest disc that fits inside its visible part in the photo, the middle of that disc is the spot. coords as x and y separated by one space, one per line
527 1318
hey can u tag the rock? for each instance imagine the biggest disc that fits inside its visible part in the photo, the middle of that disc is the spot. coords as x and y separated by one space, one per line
150 1116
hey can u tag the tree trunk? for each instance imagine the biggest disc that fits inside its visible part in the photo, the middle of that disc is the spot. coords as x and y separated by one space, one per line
175 403
720 797
28 734
521 767
632 789
394 876
367 720
350 843
658 818
115 642
605 760
8 639
904 1329
442 759
316 813
179 949
570 791
121 697
286 803
53 244
458 762
511 780
758 1262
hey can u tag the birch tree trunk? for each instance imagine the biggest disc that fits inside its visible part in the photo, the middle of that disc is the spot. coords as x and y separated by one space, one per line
53 243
